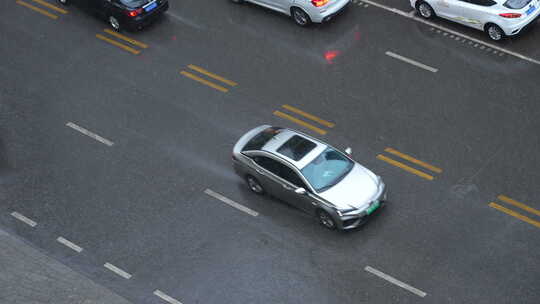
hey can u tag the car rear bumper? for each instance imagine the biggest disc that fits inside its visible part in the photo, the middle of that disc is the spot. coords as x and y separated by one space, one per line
514 29
326 15
143 21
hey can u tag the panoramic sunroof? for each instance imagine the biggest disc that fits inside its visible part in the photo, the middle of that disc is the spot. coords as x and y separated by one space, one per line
296 147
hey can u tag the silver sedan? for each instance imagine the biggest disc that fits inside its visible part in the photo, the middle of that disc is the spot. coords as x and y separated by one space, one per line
308 174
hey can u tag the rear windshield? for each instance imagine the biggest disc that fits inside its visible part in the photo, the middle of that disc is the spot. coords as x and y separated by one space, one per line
134 3
258 141
516 4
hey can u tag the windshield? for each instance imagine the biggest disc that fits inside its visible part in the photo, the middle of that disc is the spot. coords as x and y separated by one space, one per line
516 4
327 169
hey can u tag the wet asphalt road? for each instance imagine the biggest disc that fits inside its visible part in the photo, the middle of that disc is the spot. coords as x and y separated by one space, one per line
139 202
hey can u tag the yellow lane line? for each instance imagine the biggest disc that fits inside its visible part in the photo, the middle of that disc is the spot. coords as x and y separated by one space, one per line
212 75
132 41
510 201
515 214
118 44
204 81
53 7
413 160
404 167
309 116
37 9
300 122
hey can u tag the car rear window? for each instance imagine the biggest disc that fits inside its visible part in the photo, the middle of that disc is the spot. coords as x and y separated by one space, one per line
258 141
516 4
296 147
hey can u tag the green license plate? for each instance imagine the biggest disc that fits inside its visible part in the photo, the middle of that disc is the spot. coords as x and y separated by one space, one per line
373 207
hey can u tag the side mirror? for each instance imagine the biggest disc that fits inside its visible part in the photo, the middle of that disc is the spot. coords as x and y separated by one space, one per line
300 191
348 150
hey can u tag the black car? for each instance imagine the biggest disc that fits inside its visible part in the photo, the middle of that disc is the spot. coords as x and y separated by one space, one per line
128 14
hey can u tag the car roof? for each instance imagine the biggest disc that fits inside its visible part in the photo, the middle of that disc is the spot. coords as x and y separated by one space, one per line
284 135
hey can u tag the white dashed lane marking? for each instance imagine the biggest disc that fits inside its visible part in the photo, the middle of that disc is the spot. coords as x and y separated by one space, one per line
117 270
69 244
165 297
413 62
231 202
23 219
395 281
90 134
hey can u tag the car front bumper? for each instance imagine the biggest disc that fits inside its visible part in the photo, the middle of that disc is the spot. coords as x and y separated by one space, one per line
347 222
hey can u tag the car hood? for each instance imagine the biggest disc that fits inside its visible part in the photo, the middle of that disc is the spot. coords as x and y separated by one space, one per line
356 190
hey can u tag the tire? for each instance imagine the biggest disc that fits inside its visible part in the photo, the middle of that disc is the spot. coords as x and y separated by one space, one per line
425 10
64 2
254 185
237 1
114 23
326 220
300 17
494 32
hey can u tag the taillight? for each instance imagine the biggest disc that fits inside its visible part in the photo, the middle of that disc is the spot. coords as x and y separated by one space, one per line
510 15
319 3
134 13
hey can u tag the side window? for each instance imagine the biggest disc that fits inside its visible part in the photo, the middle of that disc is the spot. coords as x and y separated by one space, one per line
280 170
268 163
293 178
482 2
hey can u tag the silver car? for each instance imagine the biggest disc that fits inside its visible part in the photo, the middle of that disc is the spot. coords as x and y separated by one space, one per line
304 12
309 174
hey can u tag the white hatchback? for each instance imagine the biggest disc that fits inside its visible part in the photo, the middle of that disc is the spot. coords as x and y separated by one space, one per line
303 12
498 18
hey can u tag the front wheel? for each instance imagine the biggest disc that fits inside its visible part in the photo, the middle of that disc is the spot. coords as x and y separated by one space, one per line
300 17
494 32
326 219
425 10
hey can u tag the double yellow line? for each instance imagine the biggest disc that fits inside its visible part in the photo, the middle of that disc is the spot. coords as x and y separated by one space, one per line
513 213
121 45
410 159
43 11
303 123
208 74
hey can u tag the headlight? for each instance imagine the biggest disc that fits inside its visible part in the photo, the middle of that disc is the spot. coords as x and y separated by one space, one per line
343 212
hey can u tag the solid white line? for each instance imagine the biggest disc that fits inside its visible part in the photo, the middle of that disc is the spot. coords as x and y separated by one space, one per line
405 14
415 63
117 270
165 297
395 281
69 244
90 134
23 219
231 202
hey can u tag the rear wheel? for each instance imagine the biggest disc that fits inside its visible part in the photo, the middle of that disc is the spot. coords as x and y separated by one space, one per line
494 32
425 10
254 185
300 17
326 220
115 24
